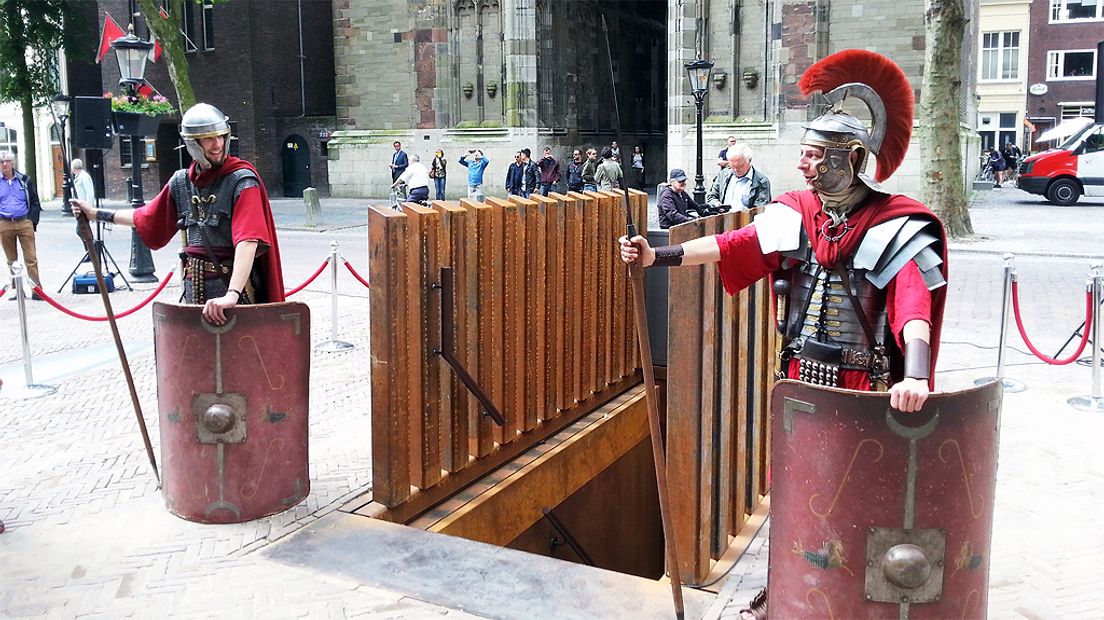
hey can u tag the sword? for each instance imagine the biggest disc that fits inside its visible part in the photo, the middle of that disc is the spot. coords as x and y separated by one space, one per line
85 233
644 343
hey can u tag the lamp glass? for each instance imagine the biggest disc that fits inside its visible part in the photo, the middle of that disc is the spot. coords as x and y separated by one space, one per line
132 53
699 72
60 106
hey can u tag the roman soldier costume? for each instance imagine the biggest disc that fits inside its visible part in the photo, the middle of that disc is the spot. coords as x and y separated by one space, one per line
217 206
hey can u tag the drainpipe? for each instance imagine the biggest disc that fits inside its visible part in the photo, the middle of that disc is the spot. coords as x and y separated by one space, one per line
302 69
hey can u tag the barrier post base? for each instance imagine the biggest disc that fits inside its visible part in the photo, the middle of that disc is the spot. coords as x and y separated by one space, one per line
1010 385
1086 403
333 346
25 392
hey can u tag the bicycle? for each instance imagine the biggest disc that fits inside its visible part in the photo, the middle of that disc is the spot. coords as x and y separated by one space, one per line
398 196
986 174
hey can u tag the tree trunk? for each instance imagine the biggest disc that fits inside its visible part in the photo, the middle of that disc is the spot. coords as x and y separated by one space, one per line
30 145
167 31
941 182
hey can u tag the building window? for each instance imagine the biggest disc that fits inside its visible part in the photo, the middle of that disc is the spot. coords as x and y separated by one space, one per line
1000 56
1075 109
198 29
9 141
124 152
1006 130
1071 65
1076 10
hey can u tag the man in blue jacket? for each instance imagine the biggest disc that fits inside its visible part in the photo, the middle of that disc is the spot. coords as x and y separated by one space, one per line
476 165
19 213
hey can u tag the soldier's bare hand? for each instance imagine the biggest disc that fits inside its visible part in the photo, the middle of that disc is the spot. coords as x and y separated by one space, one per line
908 395
636 250
215 309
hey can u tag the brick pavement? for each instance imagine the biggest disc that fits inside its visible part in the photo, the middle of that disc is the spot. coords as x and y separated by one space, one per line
88 535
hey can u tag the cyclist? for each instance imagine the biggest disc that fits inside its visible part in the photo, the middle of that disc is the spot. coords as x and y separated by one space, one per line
416 177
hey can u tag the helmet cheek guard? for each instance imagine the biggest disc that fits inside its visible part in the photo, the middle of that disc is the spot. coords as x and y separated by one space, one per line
836 172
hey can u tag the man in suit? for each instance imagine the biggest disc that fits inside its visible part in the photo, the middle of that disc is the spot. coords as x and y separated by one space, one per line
399 162
739 185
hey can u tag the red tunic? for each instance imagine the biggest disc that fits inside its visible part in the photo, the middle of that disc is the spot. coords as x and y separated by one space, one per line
907 297
251 221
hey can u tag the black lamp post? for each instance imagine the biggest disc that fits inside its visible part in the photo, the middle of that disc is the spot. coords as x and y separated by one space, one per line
132 53
59 110
699 72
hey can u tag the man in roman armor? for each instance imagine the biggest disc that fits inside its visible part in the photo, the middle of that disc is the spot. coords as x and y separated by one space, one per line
859 273
231 254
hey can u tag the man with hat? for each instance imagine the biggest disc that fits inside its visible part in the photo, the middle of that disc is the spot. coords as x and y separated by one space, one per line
674 203
860 273
231 255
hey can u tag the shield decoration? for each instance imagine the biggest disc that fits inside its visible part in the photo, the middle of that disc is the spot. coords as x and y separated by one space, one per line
877 513
233 405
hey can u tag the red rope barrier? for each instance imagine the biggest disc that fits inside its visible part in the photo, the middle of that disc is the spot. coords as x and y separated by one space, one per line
3 291
1039 354
118 315
355 274
302 286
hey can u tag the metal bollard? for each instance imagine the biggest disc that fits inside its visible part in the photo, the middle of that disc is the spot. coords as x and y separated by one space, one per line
333 345
1009 385
29 389
314 207
1094 402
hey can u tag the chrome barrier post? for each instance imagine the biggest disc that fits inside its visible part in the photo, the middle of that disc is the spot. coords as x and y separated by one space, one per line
1009 385
29 389
333 345
1094 402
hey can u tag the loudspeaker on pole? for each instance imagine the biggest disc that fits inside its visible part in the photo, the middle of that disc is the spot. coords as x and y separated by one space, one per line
92 123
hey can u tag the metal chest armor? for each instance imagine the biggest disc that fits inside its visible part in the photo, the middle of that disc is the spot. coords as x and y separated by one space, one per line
214 205
819 309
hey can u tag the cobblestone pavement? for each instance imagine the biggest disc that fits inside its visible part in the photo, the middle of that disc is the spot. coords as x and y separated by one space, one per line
88 536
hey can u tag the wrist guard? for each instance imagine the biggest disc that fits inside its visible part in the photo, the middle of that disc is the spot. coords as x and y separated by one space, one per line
668 256
105 215
917 359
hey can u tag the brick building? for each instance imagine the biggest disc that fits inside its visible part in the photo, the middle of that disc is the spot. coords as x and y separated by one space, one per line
268 65
505 74
1062 60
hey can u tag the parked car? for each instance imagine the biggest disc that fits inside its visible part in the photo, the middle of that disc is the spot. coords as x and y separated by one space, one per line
1066 173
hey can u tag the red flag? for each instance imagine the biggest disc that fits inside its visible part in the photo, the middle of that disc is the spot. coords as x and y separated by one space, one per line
155 53
111 31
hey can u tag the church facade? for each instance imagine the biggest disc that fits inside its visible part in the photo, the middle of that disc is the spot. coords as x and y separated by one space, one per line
503 75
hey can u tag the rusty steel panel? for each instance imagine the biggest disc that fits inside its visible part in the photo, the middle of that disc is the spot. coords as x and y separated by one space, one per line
513 250
455 400
559 255
490 322
590 295
684 407
537 274
575 307
730 511
425 448
603 342
387 241
710 352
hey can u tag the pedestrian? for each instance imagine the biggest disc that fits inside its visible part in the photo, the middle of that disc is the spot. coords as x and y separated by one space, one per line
232 256
609 175
722 157
514 173
615 151
19 213
575 172
399 161
549 171
810 239
738 184
638 166
675 204
590 168
476 166
437 173
83 187
416 177
1012 157
996 161
530 174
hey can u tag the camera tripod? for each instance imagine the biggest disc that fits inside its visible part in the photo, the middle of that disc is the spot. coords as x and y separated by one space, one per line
104 255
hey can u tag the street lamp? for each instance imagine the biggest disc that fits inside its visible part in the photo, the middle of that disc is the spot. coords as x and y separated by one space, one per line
698 72
59 110
132 53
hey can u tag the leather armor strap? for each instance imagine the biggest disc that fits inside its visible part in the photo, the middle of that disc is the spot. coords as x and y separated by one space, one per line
668 256
917 359
223 273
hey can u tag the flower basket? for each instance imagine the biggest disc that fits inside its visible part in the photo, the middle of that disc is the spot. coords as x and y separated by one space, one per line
135 124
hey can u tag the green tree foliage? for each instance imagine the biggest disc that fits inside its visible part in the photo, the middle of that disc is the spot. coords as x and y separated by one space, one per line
167 31
31 33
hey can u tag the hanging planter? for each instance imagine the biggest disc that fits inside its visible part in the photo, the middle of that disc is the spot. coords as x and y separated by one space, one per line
135 123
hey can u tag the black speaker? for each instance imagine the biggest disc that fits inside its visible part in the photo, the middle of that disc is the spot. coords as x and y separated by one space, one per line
92 123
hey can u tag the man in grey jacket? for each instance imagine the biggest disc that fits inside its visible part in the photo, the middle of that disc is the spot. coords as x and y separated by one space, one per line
739 185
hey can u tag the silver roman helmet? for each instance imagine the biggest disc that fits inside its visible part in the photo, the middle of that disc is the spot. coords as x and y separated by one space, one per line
880 84
202 120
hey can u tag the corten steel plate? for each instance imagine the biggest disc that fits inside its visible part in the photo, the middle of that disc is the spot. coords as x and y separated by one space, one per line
233 410
880 514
